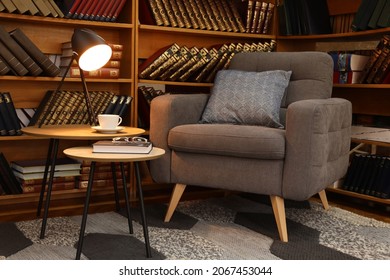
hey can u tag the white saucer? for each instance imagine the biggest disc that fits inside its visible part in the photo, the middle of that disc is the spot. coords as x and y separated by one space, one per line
109 130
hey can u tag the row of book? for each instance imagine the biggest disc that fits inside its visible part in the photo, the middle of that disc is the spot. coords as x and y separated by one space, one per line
96 10
181 63
109 71
259 16
216 15
20 56
8 181
377 68
69 107
304 17
372 14
369 174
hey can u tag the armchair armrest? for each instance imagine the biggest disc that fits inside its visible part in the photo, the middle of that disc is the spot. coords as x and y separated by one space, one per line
317 145
168 111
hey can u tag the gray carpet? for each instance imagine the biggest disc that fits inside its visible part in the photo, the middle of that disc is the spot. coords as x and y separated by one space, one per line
215 229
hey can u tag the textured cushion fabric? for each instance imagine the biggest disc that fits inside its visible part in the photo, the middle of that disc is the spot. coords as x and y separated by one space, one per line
229 140
243 97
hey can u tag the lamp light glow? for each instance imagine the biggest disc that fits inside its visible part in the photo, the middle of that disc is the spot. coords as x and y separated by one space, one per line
91 50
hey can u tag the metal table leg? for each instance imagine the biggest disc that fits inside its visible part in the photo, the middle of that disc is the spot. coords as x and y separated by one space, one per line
85 212
113 169
126 198
143 216
44 181
49 187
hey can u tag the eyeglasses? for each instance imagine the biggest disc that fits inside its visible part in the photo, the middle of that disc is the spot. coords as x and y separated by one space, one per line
136 139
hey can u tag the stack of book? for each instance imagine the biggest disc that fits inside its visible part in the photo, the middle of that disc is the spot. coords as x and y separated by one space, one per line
348 67
372 14
377 69
180 63
9 121
217 15
109 71
97 10
304 17
30 174
8 181
259 15
369 174
104 175
20 56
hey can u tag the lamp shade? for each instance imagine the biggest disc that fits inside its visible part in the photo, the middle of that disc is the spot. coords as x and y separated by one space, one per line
92 50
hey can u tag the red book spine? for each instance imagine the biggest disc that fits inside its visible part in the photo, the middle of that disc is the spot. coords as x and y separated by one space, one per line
98 15
110 13
96 8
86 7
104 13
79 9
118 10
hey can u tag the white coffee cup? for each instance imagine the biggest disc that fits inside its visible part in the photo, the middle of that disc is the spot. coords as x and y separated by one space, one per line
109 121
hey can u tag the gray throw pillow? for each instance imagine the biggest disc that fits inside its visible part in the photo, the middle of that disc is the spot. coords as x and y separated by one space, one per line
250 98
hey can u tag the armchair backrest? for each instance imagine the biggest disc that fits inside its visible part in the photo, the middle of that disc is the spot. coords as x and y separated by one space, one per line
312 73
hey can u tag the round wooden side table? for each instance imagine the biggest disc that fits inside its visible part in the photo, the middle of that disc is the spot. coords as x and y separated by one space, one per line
74 132
86 153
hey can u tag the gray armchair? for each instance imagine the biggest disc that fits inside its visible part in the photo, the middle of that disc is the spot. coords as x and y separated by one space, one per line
296 162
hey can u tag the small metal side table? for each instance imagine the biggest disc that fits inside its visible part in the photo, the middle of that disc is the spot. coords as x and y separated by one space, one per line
86 153
70 132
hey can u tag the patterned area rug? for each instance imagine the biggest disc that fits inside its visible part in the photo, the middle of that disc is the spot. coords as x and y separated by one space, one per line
216 229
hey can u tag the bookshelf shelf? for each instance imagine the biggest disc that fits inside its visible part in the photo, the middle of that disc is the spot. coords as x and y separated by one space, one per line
360 196
202 33
188 84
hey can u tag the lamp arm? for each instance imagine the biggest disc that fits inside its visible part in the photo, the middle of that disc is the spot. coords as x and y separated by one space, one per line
91 113
56 91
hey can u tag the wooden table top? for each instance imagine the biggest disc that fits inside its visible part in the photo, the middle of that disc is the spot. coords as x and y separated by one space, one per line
86 153
78 132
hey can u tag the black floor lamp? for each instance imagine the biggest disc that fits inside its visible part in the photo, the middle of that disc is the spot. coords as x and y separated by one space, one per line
91 52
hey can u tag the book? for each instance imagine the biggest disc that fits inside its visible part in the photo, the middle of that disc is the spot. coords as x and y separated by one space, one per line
106 8
363 15
8 180
316 15
190 14
375 72
16 66
383 71
9 6
268 16
38 165
35 53
32 9
20 6
118 10
4 68
53 12
56 8
19 53
384 18
347 61
383 42
68 7
85 8
40 175
346 77
372 23
104 72
11 116
55 187
133 147
43 9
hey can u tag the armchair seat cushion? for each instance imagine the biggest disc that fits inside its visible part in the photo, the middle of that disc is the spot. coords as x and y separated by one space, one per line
229 140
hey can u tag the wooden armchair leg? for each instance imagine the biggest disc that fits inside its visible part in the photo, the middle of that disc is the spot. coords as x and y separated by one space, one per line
280 216
324 200
175 198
